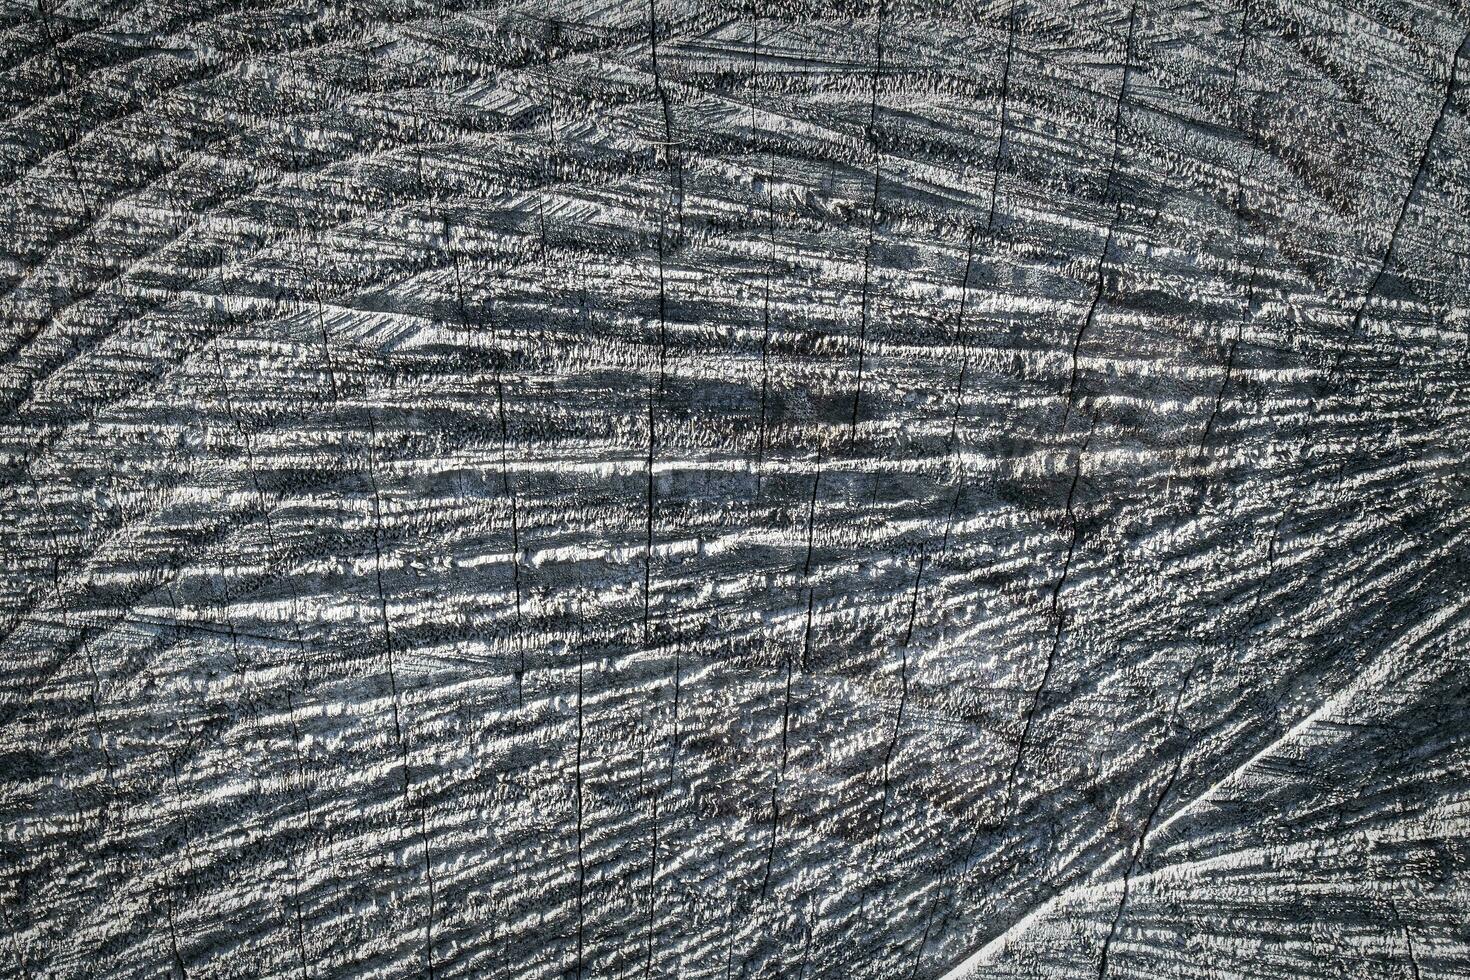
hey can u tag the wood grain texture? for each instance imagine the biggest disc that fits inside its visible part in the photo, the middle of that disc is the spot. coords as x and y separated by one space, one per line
775 489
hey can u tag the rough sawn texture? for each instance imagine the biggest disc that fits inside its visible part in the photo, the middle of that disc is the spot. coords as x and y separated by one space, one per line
767 490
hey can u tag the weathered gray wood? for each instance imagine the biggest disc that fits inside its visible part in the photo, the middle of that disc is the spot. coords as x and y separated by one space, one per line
756 490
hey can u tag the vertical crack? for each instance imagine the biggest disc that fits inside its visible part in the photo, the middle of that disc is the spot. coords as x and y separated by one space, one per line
1371 292
806 647
1058 617
877 73
1146 827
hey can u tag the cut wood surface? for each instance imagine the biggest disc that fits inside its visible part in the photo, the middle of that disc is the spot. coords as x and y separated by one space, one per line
774 489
